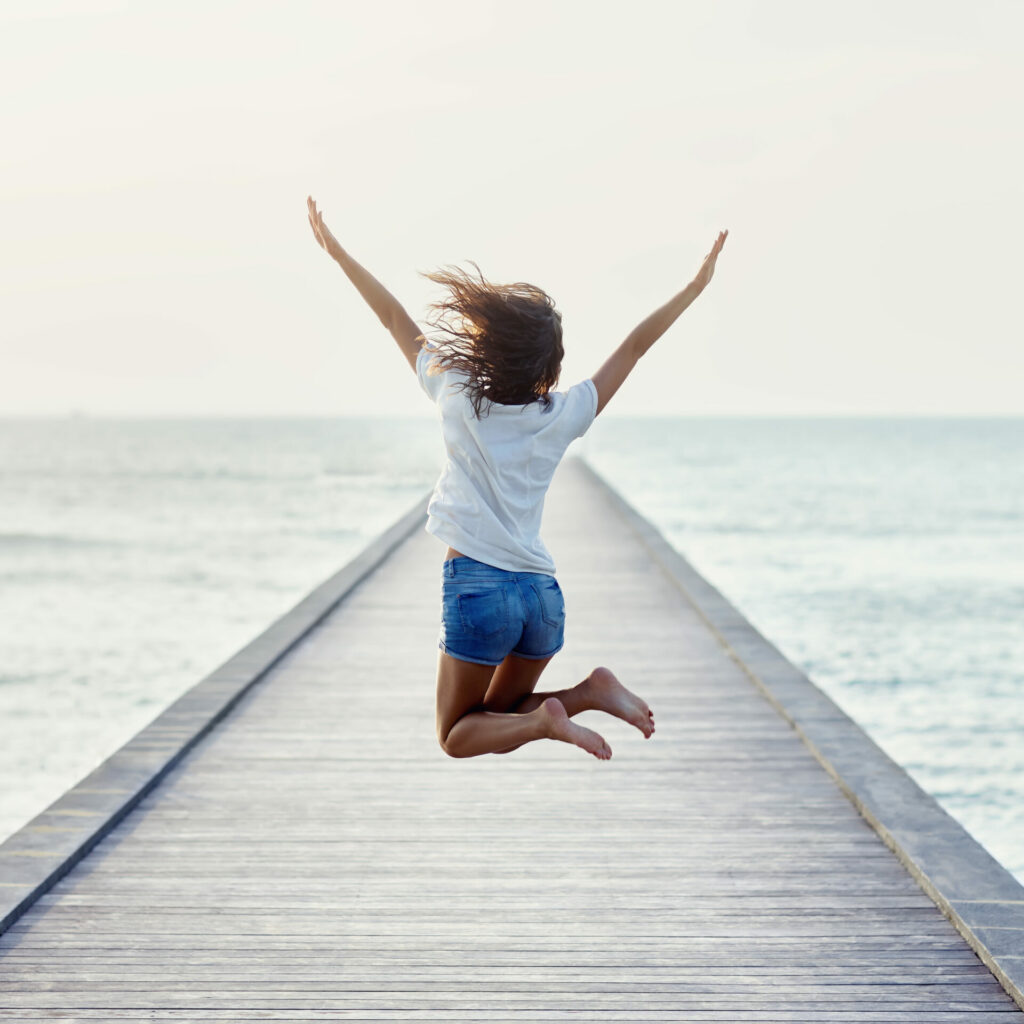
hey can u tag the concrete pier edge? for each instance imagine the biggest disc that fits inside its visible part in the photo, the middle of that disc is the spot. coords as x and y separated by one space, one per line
979 896
35 857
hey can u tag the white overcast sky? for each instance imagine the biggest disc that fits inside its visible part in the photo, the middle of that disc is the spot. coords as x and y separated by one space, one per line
867 159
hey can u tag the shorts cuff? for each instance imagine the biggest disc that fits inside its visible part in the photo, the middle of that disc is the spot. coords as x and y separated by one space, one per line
462 657
537 657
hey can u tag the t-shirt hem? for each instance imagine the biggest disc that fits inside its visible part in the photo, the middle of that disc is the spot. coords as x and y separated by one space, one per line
468 546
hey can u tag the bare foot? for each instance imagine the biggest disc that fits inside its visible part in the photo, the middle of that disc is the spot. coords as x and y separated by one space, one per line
559 726
605 693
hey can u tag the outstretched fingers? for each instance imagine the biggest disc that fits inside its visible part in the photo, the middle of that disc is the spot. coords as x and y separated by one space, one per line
716 248
315 222
310 210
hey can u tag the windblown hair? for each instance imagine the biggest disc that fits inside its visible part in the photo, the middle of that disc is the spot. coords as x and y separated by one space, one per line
505 338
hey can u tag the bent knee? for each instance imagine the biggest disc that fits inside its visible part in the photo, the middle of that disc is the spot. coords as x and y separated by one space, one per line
447 747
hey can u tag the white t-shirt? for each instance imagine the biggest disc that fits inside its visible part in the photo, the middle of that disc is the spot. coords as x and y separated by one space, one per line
490 496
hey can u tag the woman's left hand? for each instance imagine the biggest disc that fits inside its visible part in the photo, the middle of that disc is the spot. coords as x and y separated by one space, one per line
323 234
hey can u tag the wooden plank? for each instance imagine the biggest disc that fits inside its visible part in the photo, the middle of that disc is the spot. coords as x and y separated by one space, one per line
317 857
980 896
51 844
514 1015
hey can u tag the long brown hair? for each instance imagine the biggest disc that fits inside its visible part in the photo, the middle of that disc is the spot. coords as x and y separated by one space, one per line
505 338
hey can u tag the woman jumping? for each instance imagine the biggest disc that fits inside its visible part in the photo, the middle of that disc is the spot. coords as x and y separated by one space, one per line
505 430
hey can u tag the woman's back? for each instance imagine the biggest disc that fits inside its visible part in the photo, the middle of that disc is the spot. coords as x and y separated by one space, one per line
489 500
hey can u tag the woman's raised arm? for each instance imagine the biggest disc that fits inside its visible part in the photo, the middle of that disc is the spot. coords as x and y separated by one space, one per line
389 310
620 363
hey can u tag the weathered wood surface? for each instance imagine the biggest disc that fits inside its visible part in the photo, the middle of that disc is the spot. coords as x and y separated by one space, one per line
317 857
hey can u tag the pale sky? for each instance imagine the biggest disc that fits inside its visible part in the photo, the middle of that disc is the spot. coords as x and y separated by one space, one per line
867 159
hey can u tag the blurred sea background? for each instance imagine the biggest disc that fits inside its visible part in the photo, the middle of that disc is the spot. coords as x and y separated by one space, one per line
884 556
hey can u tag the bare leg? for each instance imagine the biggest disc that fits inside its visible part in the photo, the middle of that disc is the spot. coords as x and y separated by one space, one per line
574 699
600 691
514 679
465 728
511 689
488 732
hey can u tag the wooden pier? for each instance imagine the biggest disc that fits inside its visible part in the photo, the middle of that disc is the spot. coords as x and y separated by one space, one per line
290 843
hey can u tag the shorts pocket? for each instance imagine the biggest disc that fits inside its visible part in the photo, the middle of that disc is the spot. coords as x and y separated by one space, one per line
484 613
552 602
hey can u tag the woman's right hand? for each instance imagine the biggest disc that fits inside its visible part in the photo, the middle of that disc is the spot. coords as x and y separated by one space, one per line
323 233
707 268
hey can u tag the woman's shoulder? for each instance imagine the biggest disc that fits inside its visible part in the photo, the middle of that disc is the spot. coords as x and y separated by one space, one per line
580 392
577 405
433 377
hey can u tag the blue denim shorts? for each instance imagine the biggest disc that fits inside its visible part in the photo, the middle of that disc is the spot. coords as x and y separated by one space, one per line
487 613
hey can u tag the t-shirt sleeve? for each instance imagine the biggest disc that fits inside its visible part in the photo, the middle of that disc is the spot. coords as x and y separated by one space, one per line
580 407
431 384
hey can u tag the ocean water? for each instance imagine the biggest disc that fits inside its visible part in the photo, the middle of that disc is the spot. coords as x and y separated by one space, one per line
137 556
884 557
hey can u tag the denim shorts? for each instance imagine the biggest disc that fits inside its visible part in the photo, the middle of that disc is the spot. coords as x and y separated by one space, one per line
487 613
